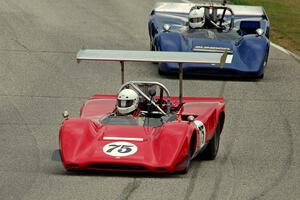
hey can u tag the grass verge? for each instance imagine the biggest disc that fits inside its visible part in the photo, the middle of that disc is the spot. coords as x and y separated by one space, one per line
284 16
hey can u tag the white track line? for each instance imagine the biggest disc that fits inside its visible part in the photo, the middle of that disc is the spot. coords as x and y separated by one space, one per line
280 48
186 1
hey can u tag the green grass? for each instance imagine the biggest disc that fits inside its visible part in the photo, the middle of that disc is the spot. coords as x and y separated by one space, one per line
284 17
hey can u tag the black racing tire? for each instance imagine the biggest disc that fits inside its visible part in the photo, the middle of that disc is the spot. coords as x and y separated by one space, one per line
261 76
265 65
211 150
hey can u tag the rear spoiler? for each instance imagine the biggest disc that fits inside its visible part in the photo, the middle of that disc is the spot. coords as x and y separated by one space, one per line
153 56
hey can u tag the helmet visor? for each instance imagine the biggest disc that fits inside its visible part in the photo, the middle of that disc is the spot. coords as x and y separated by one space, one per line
196 19
125 103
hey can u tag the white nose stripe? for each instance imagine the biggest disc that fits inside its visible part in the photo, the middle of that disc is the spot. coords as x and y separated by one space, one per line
123 138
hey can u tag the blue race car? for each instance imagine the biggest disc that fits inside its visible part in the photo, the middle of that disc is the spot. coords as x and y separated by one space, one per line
241 32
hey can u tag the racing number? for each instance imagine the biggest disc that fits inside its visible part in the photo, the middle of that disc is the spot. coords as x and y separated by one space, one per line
123 149
202 132
119 149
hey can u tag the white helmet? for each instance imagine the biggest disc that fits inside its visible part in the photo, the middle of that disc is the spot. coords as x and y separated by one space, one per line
127 101
196 18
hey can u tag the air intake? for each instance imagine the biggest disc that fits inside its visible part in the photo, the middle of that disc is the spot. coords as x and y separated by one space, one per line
117 167
73 165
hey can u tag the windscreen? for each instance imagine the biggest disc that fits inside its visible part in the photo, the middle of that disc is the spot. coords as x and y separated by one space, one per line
132 121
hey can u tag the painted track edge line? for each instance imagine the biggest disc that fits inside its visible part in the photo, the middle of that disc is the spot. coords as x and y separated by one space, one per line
186 1
285 51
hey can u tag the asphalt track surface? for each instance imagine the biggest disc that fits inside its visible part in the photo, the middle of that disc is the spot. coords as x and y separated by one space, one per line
260 145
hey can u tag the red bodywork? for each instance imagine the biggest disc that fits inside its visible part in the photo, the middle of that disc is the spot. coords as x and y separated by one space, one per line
160 149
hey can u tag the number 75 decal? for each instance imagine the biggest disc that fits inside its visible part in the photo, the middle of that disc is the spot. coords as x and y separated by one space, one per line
120 149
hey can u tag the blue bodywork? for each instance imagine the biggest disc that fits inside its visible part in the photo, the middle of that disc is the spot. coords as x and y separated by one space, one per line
247 51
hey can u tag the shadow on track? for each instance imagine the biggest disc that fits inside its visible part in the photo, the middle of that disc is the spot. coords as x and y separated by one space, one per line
56 157
212 77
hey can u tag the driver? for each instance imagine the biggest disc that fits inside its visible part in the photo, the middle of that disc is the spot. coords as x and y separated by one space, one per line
127 102
196 18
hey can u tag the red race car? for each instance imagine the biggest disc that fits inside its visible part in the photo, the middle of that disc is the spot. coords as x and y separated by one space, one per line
142 128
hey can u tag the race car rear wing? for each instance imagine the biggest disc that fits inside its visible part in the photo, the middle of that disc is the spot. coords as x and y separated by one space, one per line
184 8
154 56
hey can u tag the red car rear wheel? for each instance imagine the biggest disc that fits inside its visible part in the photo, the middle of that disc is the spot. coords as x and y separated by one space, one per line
212 148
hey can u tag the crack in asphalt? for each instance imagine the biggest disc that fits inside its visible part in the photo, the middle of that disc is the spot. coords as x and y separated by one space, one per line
21 44
287 166
35 144
192 182
289 157
219 172
195 171
129 189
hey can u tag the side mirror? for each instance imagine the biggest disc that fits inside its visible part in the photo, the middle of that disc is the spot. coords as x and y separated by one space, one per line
259 32
65 114
167 27
190 118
